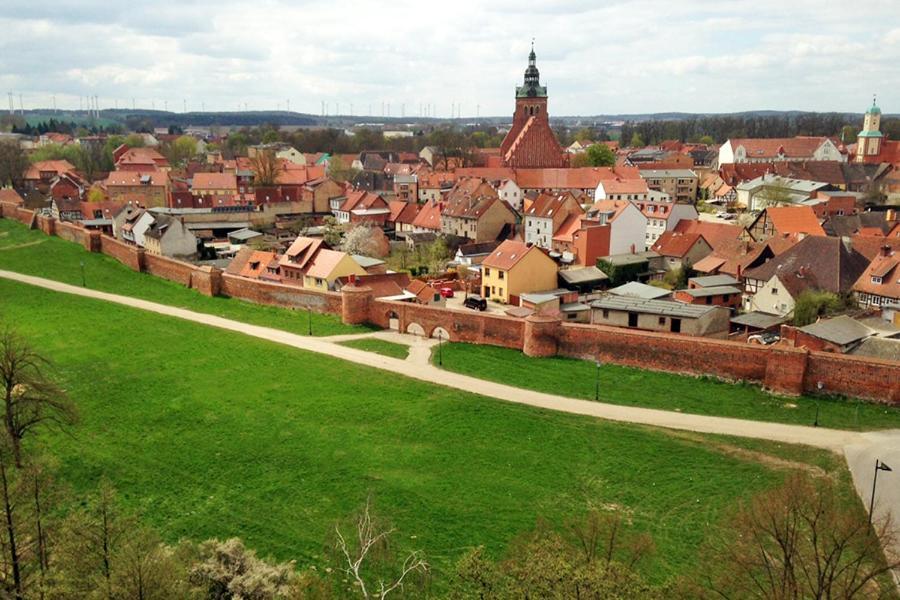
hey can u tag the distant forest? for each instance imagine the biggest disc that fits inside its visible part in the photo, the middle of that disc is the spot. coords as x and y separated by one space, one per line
718 128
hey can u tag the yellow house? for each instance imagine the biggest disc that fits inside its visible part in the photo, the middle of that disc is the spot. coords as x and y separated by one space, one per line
327 266
515 268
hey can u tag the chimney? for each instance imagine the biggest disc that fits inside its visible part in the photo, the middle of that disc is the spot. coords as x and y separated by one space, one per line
739 272
886 250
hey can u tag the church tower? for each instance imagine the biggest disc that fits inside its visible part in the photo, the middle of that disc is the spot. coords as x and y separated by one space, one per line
531 142
868 142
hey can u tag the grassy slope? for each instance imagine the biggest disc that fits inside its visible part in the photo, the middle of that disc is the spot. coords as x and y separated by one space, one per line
635 387
382 347
210 433
33 253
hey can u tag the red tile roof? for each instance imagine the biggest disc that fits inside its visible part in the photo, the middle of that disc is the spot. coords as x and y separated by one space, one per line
57 166
796 147
674 243
429 217
508 254
716 234
793 220
214 181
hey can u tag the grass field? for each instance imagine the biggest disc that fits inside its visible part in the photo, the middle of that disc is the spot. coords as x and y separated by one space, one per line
636 387
211 433
31 252
382 347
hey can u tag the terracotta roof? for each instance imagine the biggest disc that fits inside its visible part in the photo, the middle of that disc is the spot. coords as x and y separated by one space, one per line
214 181
792 220
674 243
816 262
715 234
324 263
616 207
870 246
403 212
293 174
568 228
625 186
548 205
795 147
10 195
422 290
133 178
57 166
362 199
301 251
142 156
382 284
257 263
887 267
508 254
429 217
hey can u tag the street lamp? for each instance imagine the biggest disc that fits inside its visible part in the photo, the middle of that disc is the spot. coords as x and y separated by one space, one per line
597 383
879 466
440 349
309 321
83 284
819 386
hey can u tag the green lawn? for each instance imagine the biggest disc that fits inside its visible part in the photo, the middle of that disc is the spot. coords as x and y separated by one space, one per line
382 347
210 433
33 253
636 387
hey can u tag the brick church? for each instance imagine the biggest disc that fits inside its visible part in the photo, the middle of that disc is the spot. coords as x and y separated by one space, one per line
530 142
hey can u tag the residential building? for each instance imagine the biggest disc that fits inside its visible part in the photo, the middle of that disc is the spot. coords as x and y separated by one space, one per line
130 224
530 141
546 214
511 193
169 236
680 184
814 263
326 266
718 295
628 225
143 159
800 148
362 206
784 222
661 315
681 249
147 189
473 210
214 184
295 261
663 216
633 190
879 285
775 190
472 255
39 175
515 268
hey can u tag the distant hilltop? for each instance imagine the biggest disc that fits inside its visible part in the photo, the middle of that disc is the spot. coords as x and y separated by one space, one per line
251 118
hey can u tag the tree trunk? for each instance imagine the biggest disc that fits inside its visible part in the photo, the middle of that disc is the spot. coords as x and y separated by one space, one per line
10 531
41 542
10 426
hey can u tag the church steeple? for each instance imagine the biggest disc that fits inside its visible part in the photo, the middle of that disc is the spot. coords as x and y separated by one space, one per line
868 143
532 87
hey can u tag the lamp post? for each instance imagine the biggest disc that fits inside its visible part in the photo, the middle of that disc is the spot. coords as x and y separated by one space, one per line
597 383
83 284
440 349
309 320
819 386
879 466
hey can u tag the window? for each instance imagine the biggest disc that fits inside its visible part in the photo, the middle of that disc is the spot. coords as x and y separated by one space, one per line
605 313
774 291
487 272
501 291
675 326
662 320
709 299
493 290
876 279
632 319
500 274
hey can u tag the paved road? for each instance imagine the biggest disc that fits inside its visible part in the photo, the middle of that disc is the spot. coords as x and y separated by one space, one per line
860 449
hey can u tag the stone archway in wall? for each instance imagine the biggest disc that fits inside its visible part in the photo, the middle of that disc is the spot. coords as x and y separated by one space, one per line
393 321
440 332
415 329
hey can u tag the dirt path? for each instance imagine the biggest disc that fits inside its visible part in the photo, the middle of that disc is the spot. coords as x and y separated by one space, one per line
419 368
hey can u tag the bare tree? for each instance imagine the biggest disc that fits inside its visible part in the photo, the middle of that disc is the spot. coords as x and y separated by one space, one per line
368 539
802 540
31 398
266 168
605 537
13 163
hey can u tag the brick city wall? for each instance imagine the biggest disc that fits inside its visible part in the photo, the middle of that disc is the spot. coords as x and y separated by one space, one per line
276 294
169 268
857 376
782 369
472 327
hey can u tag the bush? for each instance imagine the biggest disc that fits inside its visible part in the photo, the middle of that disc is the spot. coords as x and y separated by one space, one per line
812 304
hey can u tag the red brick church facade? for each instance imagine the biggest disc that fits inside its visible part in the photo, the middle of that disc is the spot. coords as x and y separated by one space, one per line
530 142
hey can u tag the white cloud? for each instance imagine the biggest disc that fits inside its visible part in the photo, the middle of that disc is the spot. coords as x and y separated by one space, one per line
615 57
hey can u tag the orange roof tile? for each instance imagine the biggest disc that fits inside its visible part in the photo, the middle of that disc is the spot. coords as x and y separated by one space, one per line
792 220
508 254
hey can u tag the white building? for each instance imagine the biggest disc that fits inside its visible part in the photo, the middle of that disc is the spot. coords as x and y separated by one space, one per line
759 150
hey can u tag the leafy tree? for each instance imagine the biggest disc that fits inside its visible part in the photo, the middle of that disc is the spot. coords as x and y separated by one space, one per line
96 194
340 172
600 155
13 163
333 231
134 141
637 141
812 304
180 150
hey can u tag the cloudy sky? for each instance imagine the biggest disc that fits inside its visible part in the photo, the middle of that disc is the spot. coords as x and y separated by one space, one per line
596 57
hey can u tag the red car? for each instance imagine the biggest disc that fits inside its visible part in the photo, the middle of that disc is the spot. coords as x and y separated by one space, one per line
446 292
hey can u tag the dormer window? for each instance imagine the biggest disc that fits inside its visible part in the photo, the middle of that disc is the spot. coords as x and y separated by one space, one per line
876 279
